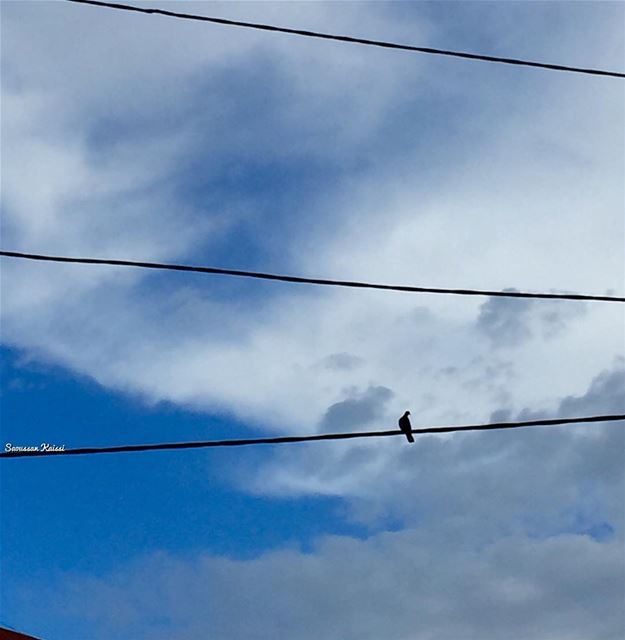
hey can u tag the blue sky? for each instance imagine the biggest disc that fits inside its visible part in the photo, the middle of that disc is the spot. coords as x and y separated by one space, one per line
46 404
144 138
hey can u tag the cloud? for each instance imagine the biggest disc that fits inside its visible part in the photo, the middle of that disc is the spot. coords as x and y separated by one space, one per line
345 361
504 320
535 481
273 153
510 322
357 411
605 395
400 586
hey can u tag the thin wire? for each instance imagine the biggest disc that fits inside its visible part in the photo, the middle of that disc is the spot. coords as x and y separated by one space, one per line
315 281
312 438
353 40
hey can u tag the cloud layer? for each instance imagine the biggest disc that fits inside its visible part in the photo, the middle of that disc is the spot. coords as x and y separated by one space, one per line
197 160
397 585
142 138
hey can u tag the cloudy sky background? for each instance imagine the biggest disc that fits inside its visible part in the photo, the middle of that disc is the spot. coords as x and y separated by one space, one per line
145 138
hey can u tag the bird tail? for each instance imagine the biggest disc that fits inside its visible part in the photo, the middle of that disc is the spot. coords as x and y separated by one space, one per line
409 437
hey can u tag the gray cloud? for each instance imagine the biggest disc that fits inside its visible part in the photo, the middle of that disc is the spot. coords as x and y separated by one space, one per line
342 361
357 411
606 395
401 586
504 320
510 322
534 481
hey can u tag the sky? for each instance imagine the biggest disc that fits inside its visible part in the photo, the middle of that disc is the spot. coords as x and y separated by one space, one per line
147 138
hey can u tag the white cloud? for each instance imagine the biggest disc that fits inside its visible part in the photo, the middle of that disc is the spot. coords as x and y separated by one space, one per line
531 194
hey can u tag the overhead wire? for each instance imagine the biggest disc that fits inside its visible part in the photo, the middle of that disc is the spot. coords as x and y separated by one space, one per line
351 39
308 438
313 281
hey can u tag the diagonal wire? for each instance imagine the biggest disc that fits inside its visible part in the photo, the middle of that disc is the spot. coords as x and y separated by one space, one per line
311 438
351 39
316 281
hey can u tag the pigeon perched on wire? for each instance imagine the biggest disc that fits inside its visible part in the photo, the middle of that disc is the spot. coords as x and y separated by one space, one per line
406 427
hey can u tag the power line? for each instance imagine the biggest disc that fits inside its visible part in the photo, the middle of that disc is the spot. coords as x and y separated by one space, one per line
353 40
311 438
316 281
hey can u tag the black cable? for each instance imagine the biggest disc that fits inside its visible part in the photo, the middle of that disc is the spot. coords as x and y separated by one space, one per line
316 281
314 438
365 41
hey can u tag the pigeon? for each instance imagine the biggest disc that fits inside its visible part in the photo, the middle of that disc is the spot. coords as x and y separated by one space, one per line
406 427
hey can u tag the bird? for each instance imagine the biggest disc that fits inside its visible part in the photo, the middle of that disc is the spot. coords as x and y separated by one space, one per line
406 427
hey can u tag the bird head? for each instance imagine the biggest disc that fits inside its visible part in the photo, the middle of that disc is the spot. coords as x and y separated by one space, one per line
407 413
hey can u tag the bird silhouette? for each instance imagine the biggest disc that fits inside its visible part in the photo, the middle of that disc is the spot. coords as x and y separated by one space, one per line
406 427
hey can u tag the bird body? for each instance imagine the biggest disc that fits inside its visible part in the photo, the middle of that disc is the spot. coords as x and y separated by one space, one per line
406 427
